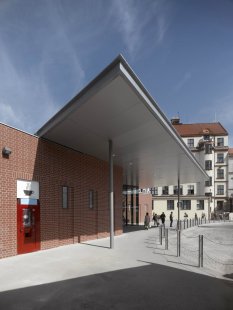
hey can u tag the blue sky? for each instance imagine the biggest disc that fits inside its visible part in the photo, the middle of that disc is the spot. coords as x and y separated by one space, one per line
182 51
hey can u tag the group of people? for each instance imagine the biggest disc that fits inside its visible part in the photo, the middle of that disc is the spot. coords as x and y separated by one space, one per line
156 219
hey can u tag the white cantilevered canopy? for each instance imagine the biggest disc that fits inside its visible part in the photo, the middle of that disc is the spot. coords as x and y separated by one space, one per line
115 106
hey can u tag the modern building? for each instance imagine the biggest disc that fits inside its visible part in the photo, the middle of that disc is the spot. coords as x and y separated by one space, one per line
65 184
209 144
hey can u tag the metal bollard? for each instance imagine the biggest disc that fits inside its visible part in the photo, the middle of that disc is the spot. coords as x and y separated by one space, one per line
187 223
200 251
166 238
184 224
160 235
178 243
190 223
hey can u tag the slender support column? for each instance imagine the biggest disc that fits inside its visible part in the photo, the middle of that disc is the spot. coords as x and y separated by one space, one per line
178 204
111 206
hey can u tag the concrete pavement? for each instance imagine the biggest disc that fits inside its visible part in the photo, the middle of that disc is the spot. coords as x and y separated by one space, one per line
138 273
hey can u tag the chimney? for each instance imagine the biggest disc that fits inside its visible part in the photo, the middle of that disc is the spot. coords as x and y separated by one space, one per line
175 120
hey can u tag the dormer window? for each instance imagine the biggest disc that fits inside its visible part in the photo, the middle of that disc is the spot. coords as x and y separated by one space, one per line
190 142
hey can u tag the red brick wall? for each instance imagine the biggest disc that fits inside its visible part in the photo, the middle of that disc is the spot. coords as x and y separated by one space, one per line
55 166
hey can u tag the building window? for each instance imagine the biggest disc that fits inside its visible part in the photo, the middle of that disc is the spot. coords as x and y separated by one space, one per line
190 142
208 165
220 189
165 190
91 199
154 191
206 137
209 182
64 197
175 190
190 189
220 158
200 204
170 204
220 173
220 141
208 149
185 205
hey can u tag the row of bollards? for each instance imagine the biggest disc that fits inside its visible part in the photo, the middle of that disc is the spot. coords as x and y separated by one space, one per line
163 232
191 222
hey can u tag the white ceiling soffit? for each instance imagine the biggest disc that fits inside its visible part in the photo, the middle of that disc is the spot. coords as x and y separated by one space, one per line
116 106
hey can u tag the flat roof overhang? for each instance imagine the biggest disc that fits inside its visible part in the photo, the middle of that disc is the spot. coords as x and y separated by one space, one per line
115 106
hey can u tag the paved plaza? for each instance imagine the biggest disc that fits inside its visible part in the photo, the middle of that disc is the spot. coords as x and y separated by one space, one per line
138 273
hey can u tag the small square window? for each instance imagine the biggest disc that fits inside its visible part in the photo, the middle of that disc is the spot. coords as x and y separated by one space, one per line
190 142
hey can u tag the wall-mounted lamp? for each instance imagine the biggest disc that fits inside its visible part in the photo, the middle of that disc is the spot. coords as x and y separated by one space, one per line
6 151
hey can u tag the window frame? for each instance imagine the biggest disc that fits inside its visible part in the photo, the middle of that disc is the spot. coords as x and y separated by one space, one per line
220 141
175 190
190 142
208 148
170 204
184 204
165 190
220 160
200 204
208 164
220 174
190 189
220 189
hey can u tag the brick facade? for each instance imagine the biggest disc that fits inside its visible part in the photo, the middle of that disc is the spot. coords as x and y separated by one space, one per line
54 166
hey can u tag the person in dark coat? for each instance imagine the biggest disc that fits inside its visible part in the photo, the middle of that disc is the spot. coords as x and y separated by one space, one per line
147 221
162 217
171 219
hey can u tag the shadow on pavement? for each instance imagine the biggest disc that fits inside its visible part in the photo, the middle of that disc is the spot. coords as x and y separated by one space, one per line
148 287
132 228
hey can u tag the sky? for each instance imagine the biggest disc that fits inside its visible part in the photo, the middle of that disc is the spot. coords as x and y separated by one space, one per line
181 50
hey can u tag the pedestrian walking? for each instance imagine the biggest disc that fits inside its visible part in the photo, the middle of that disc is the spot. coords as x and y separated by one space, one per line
147 221
171 219
162 217
155 219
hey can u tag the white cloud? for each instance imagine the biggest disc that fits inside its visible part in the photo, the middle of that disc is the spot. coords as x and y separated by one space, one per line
136 19
8 115
40 68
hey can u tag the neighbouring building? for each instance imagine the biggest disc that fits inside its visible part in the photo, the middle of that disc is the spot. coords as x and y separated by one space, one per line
209 144
230 178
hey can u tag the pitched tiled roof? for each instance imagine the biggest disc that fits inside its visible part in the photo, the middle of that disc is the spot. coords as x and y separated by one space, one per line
191 130
230 151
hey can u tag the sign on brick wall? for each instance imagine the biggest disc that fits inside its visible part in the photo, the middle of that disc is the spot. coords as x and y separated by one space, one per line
27 189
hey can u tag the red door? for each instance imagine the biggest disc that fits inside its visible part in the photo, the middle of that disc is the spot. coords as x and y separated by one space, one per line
28 228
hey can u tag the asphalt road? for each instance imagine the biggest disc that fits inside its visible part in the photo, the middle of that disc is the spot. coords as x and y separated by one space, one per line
148 287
